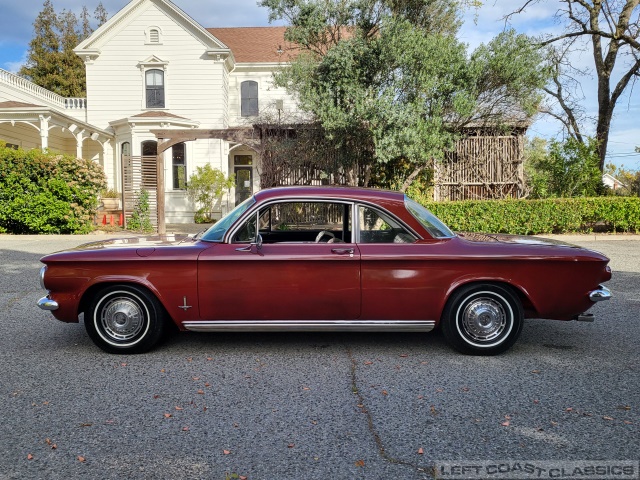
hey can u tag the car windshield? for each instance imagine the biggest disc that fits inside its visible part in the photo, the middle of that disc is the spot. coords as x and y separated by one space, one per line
429 221
217 230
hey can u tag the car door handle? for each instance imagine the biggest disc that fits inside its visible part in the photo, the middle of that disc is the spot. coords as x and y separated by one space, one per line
342 251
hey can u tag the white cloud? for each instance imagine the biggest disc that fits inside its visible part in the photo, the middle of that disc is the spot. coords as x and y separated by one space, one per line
13 67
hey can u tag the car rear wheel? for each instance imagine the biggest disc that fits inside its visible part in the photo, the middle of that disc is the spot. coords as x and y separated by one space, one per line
125 319
482 319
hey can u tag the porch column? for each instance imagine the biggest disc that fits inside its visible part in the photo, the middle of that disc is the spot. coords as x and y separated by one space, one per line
162 229
44 132
79 141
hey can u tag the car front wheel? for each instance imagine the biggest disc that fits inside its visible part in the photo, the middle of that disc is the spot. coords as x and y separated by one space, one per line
125 319
482 319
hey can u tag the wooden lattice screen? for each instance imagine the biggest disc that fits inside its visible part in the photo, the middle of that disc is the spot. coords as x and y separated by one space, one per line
482 167
303 155
140 173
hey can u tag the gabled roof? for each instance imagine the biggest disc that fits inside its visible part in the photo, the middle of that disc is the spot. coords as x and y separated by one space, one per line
256 44
91 45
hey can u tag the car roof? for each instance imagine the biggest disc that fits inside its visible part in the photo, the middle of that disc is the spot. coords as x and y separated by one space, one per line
331 191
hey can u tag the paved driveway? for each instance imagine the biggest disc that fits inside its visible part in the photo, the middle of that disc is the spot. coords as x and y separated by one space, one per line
309 406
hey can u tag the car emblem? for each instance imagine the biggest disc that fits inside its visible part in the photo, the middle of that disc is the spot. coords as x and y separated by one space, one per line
185 307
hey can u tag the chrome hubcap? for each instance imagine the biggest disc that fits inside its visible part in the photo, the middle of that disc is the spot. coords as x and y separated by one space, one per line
122 319
484 319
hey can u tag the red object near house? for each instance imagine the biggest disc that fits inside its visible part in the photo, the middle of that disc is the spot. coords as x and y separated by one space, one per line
323 258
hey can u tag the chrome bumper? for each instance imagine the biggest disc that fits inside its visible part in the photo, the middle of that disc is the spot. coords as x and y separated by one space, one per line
601 294
45 303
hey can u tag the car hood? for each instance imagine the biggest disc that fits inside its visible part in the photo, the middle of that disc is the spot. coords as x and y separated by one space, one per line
512 239
137 242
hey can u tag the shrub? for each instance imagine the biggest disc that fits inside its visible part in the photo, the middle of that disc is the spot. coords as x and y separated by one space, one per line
524 217
42 192
205 188
140 220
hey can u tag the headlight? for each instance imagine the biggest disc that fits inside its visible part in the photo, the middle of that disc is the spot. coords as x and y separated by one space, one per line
42 272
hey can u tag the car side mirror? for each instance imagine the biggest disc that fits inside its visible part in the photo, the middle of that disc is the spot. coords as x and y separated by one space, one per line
257 242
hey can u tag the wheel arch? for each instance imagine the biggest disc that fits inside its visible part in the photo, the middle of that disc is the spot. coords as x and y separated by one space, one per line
89 293
527 305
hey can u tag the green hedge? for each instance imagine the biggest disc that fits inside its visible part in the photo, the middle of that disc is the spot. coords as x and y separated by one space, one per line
46 192
525 217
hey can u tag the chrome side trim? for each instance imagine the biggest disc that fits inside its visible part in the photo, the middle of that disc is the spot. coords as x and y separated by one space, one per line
310 325
601 294
45 303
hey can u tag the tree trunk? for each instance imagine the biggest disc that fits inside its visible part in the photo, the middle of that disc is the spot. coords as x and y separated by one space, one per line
409 180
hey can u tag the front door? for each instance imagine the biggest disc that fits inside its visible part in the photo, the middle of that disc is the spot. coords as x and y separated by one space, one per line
308 268
244 183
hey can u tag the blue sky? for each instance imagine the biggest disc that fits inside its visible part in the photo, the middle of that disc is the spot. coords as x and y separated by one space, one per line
16 30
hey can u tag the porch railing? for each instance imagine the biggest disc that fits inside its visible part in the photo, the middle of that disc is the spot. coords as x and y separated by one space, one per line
51 98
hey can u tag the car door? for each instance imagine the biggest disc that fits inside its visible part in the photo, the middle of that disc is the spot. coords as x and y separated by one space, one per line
292 274
398 282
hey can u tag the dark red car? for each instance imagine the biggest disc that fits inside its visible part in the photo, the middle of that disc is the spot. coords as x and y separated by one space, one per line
323 258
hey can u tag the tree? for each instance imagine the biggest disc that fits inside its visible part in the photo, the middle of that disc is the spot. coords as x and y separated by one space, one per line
205 188
391 74
563 169
101 15
51 61
42 66
611 29
71 79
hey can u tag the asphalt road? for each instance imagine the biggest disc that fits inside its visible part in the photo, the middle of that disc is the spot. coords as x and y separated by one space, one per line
309 406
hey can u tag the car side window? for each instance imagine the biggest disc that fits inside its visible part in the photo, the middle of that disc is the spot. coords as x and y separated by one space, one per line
300 222
378 227
248 231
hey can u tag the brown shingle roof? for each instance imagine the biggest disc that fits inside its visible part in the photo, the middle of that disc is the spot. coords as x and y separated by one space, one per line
156 114
256 44
12 104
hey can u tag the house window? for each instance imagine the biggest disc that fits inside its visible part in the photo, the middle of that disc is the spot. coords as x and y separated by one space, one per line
154 80
249 98
179 157
149 148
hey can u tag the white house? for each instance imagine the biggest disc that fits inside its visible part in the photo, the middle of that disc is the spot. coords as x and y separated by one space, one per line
153 68
612 182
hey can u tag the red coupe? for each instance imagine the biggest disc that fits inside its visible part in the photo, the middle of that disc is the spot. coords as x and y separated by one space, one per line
323 258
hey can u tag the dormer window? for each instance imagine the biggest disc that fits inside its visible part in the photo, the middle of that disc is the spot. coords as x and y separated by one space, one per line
153 35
